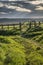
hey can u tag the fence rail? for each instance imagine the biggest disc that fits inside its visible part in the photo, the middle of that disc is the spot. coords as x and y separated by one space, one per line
29 23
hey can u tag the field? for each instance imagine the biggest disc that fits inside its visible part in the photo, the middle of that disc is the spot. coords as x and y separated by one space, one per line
21 47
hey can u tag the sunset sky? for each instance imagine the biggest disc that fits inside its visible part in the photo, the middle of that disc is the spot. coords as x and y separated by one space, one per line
21 9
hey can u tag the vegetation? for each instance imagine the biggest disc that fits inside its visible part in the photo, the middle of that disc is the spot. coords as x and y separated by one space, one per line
24 48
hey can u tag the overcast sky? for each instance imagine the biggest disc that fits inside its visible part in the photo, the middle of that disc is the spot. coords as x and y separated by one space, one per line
20 9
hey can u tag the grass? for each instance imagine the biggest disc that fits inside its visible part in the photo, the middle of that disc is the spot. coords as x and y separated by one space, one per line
21 49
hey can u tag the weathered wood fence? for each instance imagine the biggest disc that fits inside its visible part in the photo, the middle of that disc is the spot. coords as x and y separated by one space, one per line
30 24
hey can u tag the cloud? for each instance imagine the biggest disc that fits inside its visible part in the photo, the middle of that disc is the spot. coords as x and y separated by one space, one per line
36 2
18 8
3 13
1 4
39 8
21 9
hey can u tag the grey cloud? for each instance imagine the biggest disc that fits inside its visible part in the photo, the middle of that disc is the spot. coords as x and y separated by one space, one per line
22 4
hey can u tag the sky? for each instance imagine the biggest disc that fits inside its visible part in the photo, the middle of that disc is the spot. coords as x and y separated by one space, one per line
21 9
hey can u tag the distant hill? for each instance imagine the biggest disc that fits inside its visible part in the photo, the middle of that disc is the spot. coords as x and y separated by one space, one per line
12 20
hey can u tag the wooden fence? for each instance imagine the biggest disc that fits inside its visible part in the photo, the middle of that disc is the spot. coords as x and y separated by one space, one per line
30 24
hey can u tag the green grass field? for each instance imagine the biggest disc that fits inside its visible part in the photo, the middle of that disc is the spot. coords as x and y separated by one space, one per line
24 48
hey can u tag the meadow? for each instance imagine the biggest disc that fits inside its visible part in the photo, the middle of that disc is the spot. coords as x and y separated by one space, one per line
21 47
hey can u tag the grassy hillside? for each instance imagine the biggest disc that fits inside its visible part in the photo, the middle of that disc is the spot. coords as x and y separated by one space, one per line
21 49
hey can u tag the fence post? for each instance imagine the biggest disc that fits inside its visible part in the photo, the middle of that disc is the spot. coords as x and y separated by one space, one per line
39 23
8 27
13 26
20 26
35 24
2 27
29 24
